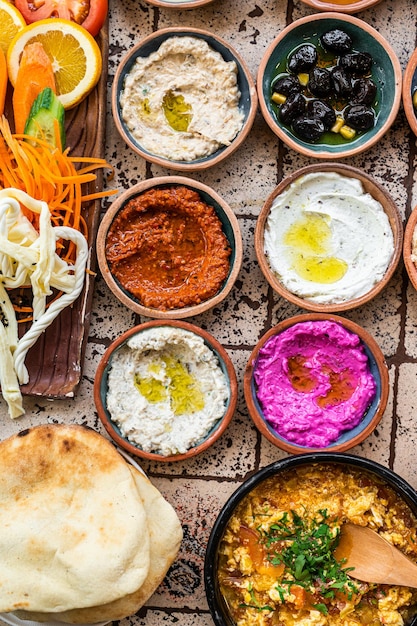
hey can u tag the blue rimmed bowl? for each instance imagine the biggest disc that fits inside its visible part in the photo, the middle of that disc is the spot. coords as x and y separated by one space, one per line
386 73
247 104
230 228
347 439
101 391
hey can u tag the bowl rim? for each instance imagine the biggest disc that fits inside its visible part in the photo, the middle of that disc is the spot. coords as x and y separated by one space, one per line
409 73
216 157
352 7
223 423
288 139
366 338
191 4
410 266
394 480
138 189
371 186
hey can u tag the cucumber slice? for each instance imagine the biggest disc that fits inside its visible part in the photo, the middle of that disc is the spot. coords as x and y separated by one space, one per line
41 121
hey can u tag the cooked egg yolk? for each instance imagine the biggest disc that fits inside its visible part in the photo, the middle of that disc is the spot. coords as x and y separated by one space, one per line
310 240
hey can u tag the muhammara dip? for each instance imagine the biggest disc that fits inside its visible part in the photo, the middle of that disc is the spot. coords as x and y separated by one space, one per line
166 390
182 101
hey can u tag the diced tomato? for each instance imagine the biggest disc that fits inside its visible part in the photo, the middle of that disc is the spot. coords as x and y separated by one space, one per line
250 539
90 14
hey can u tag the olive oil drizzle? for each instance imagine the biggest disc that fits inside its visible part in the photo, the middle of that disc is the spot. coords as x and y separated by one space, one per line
170 379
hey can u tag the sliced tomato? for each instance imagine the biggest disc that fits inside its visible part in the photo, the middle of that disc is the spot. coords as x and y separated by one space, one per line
90 14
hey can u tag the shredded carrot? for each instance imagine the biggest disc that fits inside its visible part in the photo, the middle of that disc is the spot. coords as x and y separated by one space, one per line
47 173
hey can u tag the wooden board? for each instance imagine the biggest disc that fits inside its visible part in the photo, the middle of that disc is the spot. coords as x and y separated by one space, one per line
55 361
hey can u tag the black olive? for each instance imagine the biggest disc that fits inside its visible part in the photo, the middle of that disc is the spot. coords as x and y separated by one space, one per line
302 59
322 111
364 91
294 106
356 62
336 40
359 117
287 85
342 82
320 82
308 128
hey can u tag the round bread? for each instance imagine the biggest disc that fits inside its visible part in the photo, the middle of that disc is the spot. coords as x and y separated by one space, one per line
165 534
74 530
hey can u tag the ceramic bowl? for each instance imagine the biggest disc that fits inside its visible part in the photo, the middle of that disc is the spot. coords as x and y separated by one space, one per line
369 186
230 228
248 97
386 74
179 4
344 6
410 235
409 88
294 465
101 389
347 439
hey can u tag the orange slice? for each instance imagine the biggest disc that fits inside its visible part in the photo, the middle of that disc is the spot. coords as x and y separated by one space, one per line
11 21
75 55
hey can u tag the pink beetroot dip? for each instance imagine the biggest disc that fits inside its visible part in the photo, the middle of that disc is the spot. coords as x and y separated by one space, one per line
313 382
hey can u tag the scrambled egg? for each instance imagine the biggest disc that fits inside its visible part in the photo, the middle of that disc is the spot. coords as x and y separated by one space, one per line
277 566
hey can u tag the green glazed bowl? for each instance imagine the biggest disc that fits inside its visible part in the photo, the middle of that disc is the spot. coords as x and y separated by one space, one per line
386 73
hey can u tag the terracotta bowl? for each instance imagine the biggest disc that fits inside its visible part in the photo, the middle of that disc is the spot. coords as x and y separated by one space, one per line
409 88
101 387
370 186
248 97
386 73
295 466
347 439
230 227
179 4
410 265
344 6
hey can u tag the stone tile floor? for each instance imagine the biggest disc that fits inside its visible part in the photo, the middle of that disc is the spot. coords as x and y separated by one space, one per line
198 488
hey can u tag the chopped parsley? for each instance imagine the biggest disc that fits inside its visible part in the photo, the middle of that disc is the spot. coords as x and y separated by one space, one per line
306 548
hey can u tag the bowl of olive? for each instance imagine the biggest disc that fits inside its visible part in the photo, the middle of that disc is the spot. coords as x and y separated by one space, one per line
329 85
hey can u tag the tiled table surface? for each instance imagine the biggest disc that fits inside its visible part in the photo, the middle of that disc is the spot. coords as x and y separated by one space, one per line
198 488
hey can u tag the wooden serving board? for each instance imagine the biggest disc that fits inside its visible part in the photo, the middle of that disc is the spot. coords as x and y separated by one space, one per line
55 361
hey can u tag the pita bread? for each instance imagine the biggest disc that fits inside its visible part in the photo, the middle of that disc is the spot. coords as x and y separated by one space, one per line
165 538
74 531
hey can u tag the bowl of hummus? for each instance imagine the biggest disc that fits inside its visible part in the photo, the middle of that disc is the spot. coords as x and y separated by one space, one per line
272 554
165 391
169 248
329 85
316 382
184 99
329 238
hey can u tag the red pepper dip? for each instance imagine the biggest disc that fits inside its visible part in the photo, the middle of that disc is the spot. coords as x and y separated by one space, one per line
167 248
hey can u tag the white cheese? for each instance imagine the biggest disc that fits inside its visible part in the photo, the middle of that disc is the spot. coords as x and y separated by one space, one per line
342 230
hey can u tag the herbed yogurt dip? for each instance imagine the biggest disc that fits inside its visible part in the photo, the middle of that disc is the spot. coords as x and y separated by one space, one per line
182 101
166 390
313 382
326 239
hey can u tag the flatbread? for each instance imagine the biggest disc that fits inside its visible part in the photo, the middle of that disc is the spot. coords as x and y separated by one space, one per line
165 538
74 529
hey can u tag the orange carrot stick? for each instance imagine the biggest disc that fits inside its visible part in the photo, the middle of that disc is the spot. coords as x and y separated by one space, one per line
3 80
34 74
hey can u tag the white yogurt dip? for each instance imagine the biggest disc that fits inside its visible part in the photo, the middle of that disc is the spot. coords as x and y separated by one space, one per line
182 101
326 239
166 390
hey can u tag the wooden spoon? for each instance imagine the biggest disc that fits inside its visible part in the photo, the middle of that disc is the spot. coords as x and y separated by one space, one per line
373 558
